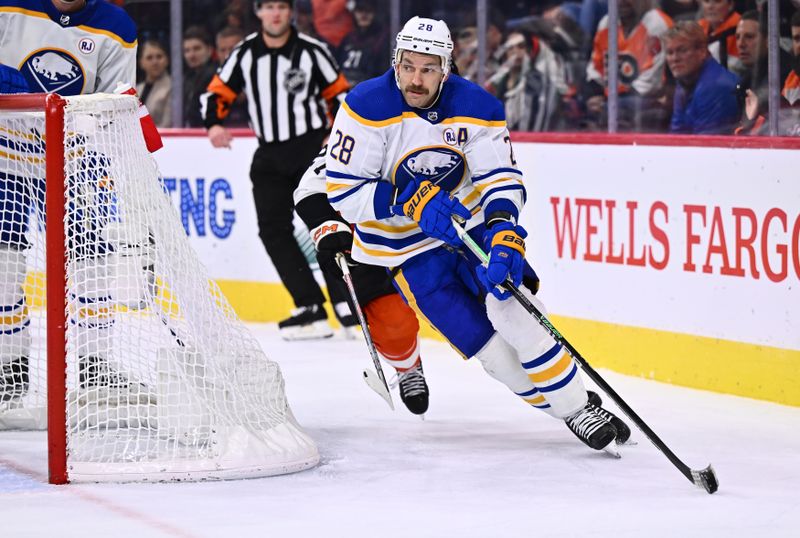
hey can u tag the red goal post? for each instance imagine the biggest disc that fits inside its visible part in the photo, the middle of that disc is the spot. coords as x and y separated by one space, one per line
148 373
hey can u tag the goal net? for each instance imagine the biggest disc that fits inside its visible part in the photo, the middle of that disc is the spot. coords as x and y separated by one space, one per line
112 334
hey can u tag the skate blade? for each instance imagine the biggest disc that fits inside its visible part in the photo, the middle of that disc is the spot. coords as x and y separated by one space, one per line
611 449
374 382
313 331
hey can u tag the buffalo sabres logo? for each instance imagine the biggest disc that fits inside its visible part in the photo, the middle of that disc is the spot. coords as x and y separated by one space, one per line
53 71
441 165
294 81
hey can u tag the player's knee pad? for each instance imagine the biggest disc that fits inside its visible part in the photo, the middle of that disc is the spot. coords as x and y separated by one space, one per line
500 361
12 275
394 329
15 338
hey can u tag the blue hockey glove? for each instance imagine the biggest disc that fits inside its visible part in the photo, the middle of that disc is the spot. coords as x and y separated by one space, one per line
505 244
432 209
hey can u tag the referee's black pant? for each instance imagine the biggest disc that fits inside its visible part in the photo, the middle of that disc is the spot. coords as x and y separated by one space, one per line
275 172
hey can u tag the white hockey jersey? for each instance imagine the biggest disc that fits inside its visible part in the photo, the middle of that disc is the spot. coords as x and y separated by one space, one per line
88 51
379 143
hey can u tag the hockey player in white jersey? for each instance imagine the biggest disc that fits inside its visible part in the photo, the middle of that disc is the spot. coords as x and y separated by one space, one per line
410 149
68 47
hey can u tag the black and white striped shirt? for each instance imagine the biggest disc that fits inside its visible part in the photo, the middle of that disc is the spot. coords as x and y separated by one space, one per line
290 90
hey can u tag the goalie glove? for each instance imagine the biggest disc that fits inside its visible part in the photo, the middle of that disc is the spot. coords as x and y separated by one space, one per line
505 244
330 238
432 209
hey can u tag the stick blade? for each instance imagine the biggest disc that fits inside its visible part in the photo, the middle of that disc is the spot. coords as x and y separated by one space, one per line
706 479
374 382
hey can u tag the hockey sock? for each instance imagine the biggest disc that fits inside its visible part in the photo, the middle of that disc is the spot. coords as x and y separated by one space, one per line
394 329
546 364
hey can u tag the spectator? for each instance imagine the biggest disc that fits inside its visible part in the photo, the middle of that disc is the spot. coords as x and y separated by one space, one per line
200 68
719 23
332 20
467 60
155 90
227 39
754 121
791 87
751 39
364 52
465 48
304 19
530 83
705 96
790 123
641 68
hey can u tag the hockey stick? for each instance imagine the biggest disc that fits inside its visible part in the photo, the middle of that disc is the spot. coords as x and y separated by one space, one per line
376 382
705 478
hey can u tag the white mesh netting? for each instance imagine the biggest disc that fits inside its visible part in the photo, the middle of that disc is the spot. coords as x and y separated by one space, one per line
164 382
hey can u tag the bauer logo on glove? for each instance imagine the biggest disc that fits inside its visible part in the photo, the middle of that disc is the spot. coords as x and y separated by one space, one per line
511 240
413 208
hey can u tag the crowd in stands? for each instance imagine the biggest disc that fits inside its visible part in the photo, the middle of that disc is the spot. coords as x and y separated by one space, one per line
685 66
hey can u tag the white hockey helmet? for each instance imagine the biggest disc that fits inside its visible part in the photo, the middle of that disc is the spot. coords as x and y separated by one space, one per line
427 36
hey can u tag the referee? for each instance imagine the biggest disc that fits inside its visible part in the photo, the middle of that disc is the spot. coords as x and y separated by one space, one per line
293 89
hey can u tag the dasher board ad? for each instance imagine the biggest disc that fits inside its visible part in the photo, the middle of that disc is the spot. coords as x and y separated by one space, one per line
702 241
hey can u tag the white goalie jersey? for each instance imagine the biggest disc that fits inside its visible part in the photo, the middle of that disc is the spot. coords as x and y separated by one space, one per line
88 51
379 144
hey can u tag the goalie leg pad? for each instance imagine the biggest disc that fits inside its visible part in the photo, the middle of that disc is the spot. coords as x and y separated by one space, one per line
91 310
547 364
394 329
15 338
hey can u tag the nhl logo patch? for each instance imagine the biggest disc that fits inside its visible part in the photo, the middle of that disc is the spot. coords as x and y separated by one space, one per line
433 115
294 80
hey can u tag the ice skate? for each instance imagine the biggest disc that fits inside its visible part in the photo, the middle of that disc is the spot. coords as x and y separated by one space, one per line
306 323
591 428
623 431
349 323
414 390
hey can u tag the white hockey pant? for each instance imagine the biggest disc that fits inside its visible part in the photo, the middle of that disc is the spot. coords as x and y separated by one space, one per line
15 335
546 364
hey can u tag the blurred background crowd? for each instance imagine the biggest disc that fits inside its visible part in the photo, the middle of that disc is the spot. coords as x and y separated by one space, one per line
684 66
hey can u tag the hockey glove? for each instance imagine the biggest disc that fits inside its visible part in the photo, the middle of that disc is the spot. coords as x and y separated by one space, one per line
432 209
505 244
330 238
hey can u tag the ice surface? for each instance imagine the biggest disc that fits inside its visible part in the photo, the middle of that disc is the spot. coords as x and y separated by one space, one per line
482 464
